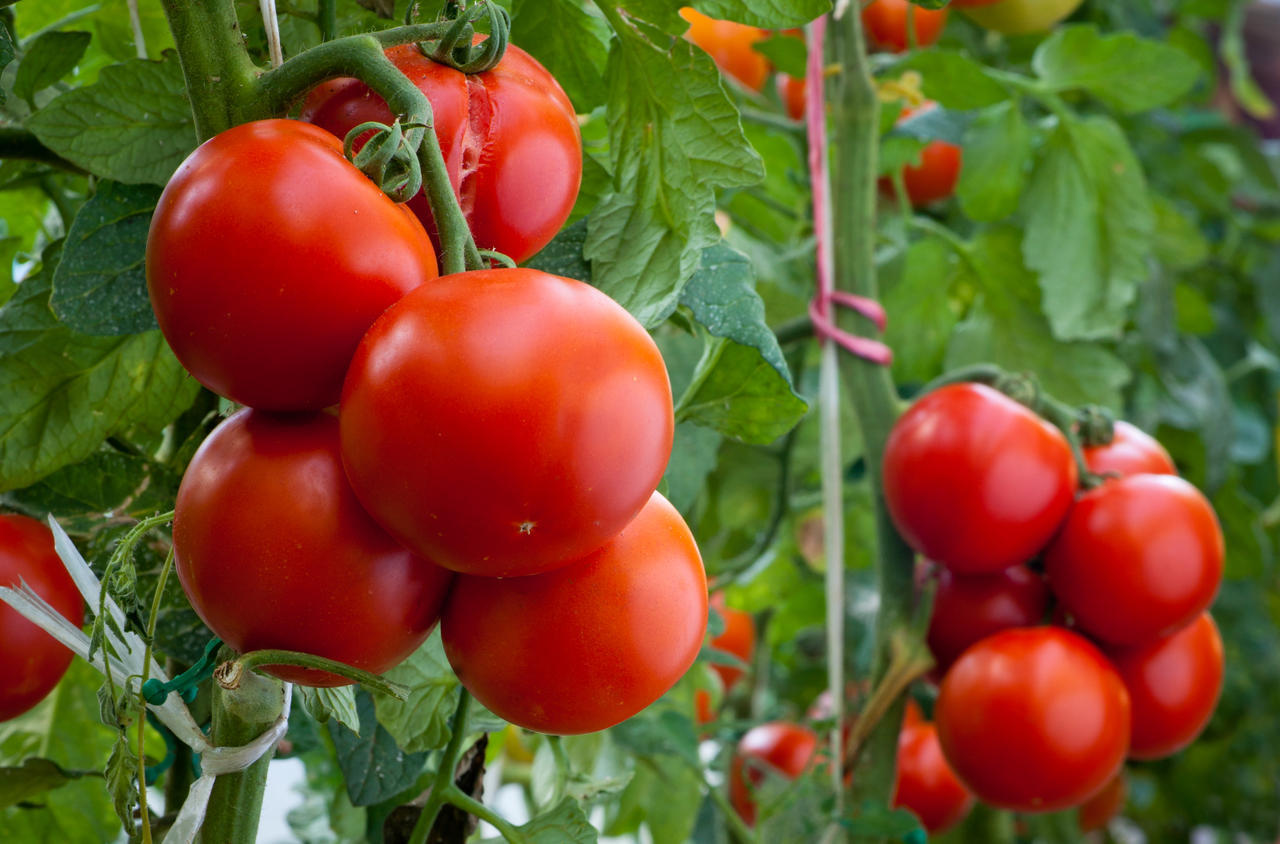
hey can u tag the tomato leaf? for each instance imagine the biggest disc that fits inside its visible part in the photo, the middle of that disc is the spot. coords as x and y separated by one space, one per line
337 703
664 792
921 313
563 255
421 721
100 285
49 58
564 824
133 125
953 80
122 779
767 13
997 160
693 457
738 393
97 484
374 767
569 42
1127 73
32 778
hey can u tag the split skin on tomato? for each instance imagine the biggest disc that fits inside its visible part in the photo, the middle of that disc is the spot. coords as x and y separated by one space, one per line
886 24
1174 683
590 644
269 256
509 136
1034 719
1132 451
975 481
31 661
506 422
1018 17
969 608
731 46
274 551
926 786
779 749
1136 558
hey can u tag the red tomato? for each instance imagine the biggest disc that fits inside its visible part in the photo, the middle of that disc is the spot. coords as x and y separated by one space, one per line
509 136
1132 452
588 645
703 711
976 481
1034 719
506 422
274 551
778 749
1098 810
1136 558
31 661
937 174
269 256
926 786
738 638
886 24
730 45
969 608
1174 683
792 92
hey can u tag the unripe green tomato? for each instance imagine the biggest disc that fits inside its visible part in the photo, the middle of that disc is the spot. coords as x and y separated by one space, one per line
1019 17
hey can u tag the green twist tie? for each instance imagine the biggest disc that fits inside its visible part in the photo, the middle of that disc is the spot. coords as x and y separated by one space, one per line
185 683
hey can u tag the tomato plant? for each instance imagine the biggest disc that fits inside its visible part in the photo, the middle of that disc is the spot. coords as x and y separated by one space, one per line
926 786
1136 558
969 608
897 25
974 480
777 748
509 136
630 618
1019 17
275 552
505 422
1034 719
31 661
731 45
268 257
1131 452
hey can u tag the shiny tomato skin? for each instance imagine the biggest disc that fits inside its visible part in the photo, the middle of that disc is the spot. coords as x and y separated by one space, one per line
506 422
974 480
31 661
1096 812
730 45
1131 452
1174 683
509 136
969 608
926 786
778 747
1020 17
886 24
1033 719
588 645
274 551
1136 558
268 257
737 638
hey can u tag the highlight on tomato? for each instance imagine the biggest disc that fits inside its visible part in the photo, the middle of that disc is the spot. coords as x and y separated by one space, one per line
731 46
274 551
777 749
31 661
588 645
1018 17
509 136
887 24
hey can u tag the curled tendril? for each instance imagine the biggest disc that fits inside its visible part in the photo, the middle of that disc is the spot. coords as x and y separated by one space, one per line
1022 388
455 47
1097 425
389 157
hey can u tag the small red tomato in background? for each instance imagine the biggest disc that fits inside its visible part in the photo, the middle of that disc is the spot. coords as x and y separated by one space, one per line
269 256
1034 719
1096 812
792 92
1131 452
886 24
1174 684
506 422
969 608
31 661
926 786
590 644
731 46
938 172
1136 558
737 638
779 748
974 480
509 136
274 551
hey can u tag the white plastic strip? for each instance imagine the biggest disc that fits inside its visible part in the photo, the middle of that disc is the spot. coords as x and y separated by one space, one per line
272 22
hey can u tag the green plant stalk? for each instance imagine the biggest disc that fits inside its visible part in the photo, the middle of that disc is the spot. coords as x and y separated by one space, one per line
327 19
256 659
445 773
240 715
221 78
20 144
855 139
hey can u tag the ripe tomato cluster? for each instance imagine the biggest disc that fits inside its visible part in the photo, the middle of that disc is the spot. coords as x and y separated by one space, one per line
738 639
499 434
1041 718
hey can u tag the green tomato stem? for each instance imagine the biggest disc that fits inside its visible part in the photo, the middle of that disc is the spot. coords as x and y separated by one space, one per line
221 78
445 774
256 659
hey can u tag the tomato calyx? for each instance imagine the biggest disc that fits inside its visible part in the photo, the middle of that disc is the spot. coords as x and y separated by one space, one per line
457 47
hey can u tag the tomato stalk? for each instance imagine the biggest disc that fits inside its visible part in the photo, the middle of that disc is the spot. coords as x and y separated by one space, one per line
257 659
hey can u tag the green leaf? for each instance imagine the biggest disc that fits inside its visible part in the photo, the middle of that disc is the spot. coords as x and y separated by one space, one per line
766 13
338 703
98 484
1178 243
786 53
674 137
1127 73
663 732
1089 227
693 457
738 393
569 42
921 312
563 255
32 778
133 125
997 159
49 58
100 285
954 80
665 793
882 822
422 720
565 824
1005 327
374 768
122 779
63 393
